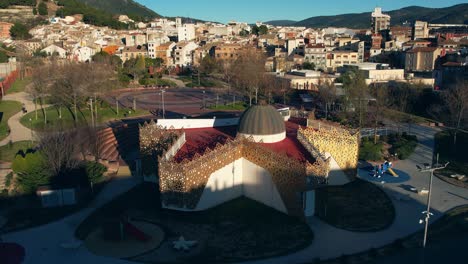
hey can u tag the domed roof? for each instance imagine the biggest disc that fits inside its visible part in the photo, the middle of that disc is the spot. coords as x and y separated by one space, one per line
261 120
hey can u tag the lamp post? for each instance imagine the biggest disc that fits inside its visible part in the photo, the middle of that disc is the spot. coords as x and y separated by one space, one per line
30 128
163 108
428 213
203 104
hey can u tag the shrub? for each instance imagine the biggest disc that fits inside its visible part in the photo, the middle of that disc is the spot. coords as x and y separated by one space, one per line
8 179
370 151
94 171
403 145
31 170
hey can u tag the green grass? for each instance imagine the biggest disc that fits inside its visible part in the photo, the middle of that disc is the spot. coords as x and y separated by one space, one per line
7 109
204 81
67 120
229 106
158 81
9 151
240 229
357 206
455 154
405 117
19 85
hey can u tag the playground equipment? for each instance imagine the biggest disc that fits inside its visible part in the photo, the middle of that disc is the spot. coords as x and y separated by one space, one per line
121 229
380 170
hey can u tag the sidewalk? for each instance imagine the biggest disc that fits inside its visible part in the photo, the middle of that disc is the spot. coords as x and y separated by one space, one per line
18 132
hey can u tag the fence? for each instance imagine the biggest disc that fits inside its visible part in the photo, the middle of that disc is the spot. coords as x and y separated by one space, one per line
7 82
385 131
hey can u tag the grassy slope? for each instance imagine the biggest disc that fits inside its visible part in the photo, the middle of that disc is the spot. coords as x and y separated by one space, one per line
104 115
8 152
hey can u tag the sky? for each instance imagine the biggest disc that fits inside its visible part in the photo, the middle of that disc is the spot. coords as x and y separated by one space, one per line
265 10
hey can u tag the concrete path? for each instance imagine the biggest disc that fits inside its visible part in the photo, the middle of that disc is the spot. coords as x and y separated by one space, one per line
178 82
42 243
330 242
18 132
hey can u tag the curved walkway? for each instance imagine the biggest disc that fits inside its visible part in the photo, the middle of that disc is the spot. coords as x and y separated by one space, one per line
178 82
18 132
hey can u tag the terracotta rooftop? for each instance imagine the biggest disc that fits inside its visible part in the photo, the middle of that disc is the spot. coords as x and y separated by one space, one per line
199 139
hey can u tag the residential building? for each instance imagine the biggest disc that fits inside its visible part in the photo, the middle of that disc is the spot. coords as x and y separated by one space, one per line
186 32
184 52
133 52
380 21
420 30
339 58
421 59
228 51
83 54
164 51
295 46
305 79
54 50
316 54
5 30
376 72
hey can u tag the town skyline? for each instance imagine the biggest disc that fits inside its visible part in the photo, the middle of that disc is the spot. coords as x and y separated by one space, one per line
253 11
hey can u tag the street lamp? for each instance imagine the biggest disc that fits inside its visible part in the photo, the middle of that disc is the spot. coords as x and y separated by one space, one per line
203 105
428 213
163 108
30 128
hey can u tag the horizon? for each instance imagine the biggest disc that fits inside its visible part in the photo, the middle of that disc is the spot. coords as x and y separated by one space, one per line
224 12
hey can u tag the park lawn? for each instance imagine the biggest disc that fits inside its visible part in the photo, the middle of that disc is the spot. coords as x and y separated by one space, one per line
19 85
358 206
405 117
53 120
7 109
455 154
9 151
204 81
240 229
229 106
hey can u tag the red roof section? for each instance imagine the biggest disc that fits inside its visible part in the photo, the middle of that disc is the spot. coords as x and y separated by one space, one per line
199 139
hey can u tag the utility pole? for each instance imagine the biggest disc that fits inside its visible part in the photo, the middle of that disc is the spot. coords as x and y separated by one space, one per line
117 104
203 104
428 213
163 108
91 111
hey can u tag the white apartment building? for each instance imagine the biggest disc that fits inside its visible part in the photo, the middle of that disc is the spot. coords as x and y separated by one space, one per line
183 53
186 32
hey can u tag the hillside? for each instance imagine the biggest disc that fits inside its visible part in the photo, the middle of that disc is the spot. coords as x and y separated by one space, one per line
125 7
457 14
281 22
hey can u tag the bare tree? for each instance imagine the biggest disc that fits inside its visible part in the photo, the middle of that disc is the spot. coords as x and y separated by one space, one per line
327 93
249 70
40 87
60 149
456 99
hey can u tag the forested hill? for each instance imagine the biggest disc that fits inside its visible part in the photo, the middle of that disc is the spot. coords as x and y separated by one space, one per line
125 7
457 14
